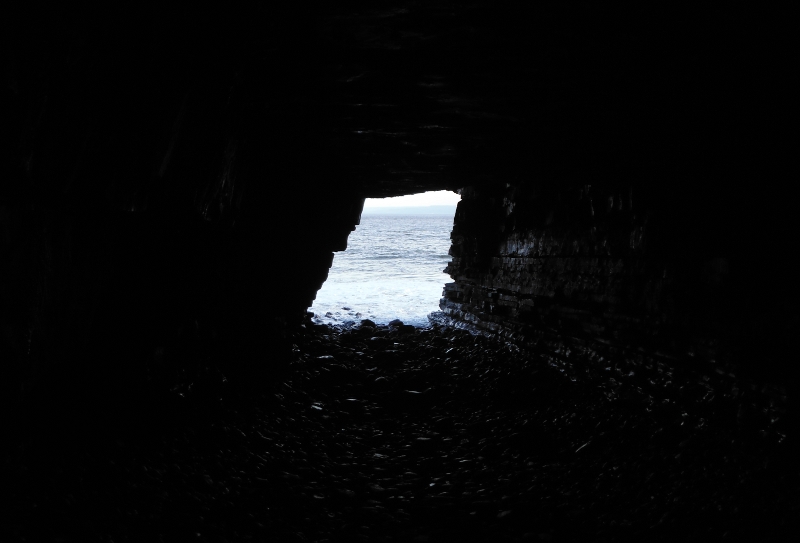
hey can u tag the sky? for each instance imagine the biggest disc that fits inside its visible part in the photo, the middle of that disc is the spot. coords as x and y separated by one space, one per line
437 198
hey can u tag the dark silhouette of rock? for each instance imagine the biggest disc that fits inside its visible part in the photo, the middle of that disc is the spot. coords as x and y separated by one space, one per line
174 189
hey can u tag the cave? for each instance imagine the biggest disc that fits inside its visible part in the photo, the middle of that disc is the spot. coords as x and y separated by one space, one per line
621 252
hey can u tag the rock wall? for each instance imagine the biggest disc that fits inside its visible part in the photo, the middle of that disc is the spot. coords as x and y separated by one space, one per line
627 264
568 261
153 222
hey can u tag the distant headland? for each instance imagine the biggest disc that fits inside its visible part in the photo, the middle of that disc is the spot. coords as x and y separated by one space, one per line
416 210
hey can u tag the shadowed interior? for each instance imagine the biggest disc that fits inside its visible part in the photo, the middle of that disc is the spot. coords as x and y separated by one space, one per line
619 174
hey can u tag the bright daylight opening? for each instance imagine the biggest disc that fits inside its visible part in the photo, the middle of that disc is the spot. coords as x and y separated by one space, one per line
394 262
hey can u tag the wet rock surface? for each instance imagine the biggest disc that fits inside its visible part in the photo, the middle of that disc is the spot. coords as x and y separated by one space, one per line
405 434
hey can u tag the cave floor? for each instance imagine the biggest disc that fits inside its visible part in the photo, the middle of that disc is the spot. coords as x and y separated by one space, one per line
433 435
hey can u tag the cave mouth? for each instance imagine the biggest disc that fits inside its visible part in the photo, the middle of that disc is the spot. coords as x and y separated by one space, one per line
393 267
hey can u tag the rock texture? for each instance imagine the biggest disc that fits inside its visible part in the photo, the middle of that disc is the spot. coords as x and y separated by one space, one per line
612 264
627 263
574 260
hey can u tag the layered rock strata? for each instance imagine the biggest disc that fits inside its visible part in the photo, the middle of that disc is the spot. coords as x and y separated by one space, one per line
628 263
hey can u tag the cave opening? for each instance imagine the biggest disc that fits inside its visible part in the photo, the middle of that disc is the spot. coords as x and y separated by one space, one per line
393 267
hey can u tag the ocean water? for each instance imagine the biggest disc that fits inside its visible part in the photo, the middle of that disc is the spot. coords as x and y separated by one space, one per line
392 269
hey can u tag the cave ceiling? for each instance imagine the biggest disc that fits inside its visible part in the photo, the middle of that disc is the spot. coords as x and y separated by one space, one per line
402 97
427 96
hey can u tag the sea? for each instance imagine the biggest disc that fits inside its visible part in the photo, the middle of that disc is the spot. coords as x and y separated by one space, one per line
392 269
